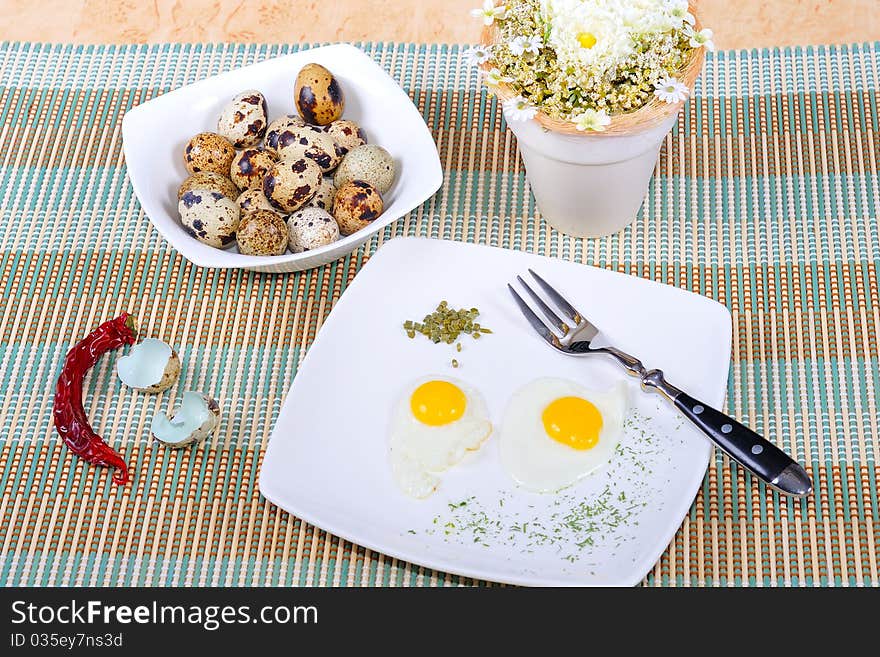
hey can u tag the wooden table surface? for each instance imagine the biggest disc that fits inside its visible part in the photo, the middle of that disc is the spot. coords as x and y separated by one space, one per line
737 23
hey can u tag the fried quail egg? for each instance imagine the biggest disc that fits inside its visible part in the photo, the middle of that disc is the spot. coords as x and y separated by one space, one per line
208 151
433 427
555 432
370 163
290 184
250 166
243 120
209 216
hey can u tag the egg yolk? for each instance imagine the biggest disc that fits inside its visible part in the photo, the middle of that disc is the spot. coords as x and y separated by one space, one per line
438 402
573 421
586 39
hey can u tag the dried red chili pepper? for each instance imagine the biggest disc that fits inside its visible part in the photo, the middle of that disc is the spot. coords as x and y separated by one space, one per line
70 416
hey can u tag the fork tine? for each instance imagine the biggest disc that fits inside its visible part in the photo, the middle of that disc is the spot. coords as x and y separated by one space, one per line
555 319
532 318
558 299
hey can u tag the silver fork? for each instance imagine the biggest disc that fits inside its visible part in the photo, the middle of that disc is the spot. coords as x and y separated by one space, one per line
576 338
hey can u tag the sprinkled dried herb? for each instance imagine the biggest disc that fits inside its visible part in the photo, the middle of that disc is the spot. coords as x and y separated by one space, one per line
570 525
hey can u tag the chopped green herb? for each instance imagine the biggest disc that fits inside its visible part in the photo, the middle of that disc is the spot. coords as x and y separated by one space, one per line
446 324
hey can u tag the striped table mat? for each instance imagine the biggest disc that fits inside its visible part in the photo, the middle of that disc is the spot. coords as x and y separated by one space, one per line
765 198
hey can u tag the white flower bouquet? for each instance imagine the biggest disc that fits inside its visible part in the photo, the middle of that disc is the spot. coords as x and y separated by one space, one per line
570 73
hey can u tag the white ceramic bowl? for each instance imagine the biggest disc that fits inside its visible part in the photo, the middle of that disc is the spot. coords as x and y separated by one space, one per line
155 133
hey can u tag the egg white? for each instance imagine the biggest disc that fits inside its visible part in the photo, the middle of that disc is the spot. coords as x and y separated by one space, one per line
542 464
420 452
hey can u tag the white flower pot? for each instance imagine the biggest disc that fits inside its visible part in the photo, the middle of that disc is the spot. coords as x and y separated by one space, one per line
589 185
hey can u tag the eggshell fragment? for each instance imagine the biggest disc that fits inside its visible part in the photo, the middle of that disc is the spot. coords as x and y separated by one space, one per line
150 366
195 419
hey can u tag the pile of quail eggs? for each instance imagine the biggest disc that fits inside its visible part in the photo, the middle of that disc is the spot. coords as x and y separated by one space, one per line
267 187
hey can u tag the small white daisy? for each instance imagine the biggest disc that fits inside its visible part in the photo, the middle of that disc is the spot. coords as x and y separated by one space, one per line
591 120
670 90
489 12
494 78
703 39
526 45
518 46
519 109
477 55
679 9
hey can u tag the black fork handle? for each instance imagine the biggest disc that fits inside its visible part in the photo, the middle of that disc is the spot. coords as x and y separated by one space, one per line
743 445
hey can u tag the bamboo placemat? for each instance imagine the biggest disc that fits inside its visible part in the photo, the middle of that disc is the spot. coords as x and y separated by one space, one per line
765 198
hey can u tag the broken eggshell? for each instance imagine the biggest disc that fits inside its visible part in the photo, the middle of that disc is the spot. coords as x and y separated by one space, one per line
150 366
194 420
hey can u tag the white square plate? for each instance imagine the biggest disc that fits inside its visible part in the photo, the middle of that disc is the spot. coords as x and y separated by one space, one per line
155 133
327 461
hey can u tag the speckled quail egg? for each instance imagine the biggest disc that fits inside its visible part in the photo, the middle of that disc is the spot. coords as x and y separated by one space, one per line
209 216
356 205
277 127
243 121
254 199
262 233
290 184
309 142
208 151
323 198
209 180
318 95
346 134
369 162
310 228
250 166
